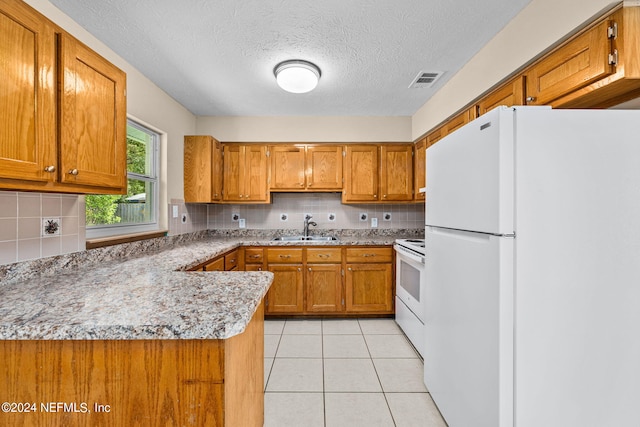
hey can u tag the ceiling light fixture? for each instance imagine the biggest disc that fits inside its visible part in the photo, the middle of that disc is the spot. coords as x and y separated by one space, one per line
297 76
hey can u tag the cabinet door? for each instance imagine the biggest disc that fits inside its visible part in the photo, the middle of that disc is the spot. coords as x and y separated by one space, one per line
458 121
215 265
287 167
369 288
324 167
436 135
420 169
579 63
510 94
255 174
27 94
233 156
396 173
286 292
361 173
198 155
216 170
93 121
324 288
231 261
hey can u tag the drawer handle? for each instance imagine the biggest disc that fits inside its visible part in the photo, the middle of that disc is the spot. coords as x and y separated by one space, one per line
324 255
254 256
285 256
368 255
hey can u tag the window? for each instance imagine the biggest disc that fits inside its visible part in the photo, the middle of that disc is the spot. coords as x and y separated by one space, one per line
137 210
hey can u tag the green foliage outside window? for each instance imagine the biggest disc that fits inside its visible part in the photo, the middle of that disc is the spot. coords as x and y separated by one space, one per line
102 209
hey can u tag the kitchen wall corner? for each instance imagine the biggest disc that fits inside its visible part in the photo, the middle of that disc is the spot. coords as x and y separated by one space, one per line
191 217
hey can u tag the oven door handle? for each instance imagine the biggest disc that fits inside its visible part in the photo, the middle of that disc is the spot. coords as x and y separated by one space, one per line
407 254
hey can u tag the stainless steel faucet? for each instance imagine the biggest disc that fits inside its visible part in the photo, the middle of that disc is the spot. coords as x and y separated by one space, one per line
307 223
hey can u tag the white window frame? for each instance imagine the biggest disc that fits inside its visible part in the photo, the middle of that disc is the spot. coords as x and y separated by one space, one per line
112 230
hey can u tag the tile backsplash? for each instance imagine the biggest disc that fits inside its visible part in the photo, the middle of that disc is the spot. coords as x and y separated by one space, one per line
21 225
287 212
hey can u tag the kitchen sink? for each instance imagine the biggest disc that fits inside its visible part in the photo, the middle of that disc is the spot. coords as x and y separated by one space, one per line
305 239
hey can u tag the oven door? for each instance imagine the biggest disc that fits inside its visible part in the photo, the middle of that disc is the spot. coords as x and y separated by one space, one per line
409 281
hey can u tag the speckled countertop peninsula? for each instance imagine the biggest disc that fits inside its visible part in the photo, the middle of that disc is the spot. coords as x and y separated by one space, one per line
142 290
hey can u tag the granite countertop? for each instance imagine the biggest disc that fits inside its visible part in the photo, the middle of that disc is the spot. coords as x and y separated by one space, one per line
139 291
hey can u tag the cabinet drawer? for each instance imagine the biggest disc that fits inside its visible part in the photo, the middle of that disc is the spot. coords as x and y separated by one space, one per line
215 265
284 255
369 254
319 255
253 255
231 261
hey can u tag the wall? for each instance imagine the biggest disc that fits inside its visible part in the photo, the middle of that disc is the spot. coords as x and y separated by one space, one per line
21 225
145 102
306 129
537 27
294 206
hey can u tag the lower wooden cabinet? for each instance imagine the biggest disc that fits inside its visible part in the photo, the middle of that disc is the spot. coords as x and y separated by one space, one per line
317 280
369 288
321 280
286 293
324 288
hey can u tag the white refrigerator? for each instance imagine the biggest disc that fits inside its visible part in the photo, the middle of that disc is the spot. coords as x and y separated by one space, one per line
532 297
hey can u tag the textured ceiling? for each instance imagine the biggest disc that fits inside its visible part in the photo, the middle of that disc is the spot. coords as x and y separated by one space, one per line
216 57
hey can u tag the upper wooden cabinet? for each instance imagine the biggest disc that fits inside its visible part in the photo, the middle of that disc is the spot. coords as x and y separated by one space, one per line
361 173
306 167
580 62
202 169
420 168
27 94
451 125
378 173
245 177
396 173
73 142
509 94
324 167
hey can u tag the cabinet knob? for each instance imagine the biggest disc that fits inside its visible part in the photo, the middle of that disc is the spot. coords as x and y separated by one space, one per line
299 269
375 196
73 172
50 169
309 268
241 196
384 196
301 184
530 98
349 269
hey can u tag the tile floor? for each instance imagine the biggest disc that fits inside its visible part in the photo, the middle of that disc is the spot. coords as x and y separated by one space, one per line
352 373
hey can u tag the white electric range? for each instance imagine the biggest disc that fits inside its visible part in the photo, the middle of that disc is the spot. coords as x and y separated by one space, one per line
410 289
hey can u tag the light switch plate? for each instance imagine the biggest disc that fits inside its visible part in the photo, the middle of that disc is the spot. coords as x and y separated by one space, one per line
374 222
175 211
242 223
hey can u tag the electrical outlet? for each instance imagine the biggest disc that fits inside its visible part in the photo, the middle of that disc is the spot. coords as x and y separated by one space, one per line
386 216
364 216
184 218
331 217
374 222
242 223
235 217
284 217
51 227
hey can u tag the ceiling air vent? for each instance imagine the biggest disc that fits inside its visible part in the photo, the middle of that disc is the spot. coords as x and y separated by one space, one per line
425 79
